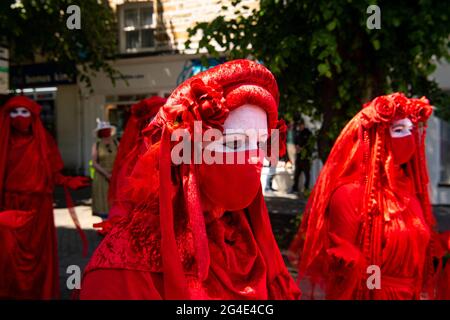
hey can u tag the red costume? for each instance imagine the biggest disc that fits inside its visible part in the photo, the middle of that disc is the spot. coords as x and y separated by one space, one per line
131 147
30 166
179 243
370 206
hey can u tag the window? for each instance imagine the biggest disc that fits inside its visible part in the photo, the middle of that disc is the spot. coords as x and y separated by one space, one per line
445 155
137 26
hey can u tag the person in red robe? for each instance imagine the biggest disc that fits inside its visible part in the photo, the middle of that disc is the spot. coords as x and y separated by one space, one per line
369 213
30 166
131 147
198 230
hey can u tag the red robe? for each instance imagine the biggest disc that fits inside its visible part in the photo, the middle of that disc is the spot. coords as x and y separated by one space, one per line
244 263
29 169
29 254
405 242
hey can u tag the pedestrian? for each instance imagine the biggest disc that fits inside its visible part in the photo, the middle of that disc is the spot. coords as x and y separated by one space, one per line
270 175
302 142
104 152
290 143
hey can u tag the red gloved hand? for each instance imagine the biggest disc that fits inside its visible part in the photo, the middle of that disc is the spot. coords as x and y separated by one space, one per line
75 183
15 219
106 226
343 251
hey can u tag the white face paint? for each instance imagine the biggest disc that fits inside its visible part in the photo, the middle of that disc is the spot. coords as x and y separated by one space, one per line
20 112
244 129
401 128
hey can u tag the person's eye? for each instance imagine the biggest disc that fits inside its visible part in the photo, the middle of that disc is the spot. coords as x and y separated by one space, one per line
398 129
233 144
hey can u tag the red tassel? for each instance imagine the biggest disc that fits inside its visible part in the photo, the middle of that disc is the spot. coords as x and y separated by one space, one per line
73 215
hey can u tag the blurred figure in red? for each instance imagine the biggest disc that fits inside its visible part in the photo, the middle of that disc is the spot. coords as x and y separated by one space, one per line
131 147
30 167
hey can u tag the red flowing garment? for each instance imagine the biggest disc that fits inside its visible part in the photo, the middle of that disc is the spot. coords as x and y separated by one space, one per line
131 147
29 170
169 246
366 210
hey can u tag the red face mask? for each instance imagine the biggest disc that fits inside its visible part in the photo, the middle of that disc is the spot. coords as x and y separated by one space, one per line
21 124
104 133
403 149
230 186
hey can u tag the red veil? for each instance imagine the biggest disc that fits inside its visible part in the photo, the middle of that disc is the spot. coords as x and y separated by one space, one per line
131 145
30 271
167 235
362 154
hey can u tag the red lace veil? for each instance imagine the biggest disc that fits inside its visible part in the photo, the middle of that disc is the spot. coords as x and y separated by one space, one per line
157 185
362 153
141 113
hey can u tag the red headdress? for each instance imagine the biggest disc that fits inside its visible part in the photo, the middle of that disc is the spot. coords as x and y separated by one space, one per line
363 153
166 197
141 113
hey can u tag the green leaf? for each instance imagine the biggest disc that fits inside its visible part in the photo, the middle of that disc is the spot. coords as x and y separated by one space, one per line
332 25
376 44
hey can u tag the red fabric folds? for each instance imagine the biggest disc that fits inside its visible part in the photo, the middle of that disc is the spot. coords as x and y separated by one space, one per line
131 143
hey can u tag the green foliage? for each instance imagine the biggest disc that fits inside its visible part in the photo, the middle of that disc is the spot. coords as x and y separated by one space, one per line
36 30
328 63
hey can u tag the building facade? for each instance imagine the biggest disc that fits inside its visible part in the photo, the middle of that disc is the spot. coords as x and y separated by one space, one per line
153 60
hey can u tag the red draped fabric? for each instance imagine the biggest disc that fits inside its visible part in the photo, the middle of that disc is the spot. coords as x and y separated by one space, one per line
29 165
130 148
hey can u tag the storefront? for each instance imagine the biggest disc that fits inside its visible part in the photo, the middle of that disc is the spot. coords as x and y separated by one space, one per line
141 77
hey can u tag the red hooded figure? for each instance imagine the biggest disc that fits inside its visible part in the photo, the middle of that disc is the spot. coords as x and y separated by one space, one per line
197 230
131 147
30 166
367 231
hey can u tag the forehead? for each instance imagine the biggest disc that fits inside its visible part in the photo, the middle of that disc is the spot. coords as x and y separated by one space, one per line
19 109
246 117
404 122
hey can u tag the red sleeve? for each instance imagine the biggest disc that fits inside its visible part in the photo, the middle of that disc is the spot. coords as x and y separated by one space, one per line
344 217
345 259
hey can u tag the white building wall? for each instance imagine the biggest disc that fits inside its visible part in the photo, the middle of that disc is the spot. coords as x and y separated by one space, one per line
433 156
68 126
441 194
147 75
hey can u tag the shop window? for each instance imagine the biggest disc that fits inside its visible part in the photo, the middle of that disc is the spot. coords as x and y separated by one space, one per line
118 109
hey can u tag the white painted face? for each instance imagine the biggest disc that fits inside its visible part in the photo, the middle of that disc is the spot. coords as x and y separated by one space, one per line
401 128
244 129
20 112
